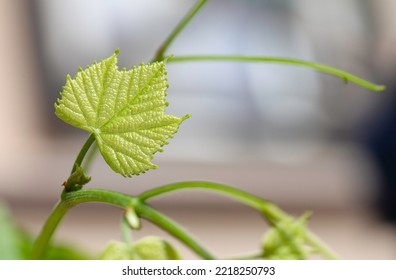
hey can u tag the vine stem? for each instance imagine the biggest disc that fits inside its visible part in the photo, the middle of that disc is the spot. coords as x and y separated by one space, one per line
176 31
71 199
48 230
295 62
270 211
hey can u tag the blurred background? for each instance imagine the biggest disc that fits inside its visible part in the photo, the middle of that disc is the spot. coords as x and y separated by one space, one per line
306 141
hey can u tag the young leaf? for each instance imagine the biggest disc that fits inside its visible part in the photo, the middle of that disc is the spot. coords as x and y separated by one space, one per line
76 180
125 110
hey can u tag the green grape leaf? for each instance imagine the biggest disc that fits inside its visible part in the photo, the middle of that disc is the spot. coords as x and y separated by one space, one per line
125 110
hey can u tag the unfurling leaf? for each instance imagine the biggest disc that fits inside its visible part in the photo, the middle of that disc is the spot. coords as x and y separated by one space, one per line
76 180
125 110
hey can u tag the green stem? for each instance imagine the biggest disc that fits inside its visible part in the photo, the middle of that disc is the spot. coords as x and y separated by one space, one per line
316 66
41 243
71 199
176 31
83 152
270 211
171 227
120 200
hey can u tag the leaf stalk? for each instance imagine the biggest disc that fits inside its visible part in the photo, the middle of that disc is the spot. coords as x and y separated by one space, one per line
83 152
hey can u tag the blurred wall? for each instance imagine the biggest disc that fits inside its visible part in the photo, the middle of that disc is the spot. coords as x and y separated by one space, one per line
21 113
